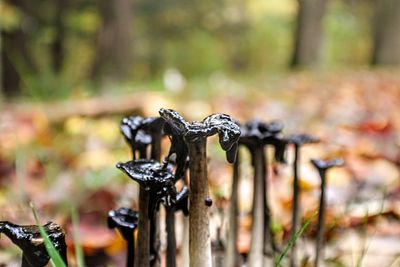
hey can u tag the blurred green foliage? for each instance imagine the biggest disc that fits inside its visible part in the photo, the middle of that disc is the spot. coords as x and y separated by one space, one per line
198 38
348 33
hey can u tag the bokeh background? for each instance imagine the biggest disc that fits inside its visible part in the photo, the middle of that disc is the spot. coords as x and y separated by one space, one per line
71 69
58 48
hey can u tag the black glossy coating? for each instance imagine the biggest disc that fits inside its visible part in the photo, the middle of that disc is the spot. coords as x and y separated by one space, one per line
29 240
142 138
148 173
323 165
208 201
279 143
153 177
257 134
138 139
130 125
182 201
274 127
139 132
275 138
179 149
300 139
125 220
252 133
153 125
228 131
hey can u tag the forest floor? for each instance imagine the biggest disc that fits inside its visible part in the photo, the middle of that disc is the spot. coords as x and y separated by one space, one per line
63 154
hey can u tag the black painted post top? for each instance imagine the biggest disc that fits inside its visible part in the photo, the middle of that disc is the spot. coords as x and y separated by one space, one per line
125 220
302 139
140 132
182 201
323 165
252 133
223 125
257 134
154 177
30 241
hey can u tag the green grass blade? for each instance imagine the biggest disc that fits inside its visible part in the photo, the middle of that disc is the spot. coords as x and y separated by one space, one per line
55 257
278 260
80 259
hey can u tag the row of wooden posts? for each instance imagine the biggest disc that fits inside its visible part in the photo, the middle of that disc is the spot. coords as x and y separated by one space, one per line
188 151
186 163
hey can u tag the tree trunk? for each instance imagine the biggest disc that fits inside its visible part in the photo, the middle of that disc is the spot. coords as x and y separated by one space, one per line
386 49
10 82
16 59
115 39
1 65
57 46
308 32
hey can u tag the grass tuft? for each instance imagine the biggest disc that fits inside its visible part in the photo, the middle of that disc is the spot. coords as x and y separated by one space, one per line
279 259
80 259
55 257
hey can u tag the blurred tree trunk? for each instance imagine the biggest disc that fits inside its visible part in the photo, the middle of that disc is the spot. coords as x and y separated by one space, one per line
10 77
156 56
115 40
386 49
57 46
1 65
308 32
15 55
